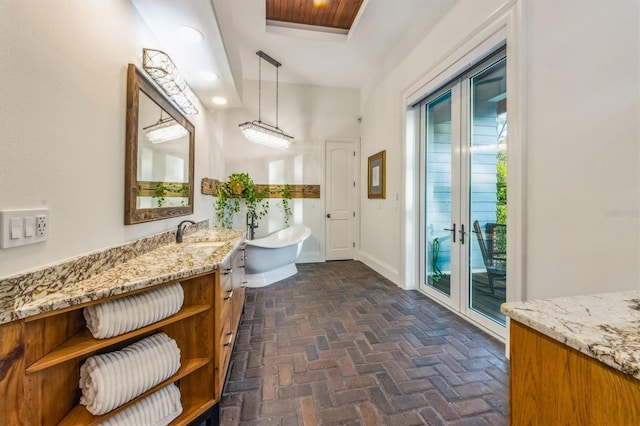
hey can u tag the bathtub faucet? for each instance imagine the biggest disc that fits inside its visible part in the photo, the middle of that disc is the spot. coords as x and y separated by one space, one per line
180 231
251 225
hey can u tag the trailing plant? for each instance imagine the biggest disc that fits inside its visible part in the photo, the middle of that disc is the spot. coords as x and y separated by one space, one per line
239 186
286 207
184 192
160 193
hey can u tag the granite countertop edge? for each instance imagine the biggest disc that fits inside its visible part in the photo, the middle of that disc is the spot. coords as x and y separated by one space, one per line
170 262
605 326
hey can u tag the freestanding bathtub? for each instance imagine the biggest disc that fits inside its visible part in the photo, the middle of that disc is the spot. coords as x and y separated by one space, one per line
273 258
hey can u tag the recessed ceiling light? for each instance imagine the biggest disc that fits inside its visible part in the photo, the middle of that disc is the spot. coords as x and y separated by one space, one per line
219 100
320 3
208 76
188 34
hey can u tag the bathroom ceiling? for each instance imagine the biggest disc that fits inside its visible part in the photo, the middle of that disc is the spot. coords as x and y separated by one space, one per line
337 15
381 33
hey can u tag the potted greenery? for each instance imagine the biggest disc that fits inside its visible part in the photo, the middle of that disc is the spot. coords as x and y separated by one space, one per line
239 186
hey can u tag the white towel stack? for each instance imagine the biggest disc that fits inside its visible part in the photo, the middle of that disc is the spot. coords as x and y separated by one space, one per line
119 316
109 380
158 409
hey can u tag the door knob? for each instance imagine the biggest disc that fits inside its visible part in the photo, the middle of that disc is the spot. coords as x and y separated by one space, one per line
328 215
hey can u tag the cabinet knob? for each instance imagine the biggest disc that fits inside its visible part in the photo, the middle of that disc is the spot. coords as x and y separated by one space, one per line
228 271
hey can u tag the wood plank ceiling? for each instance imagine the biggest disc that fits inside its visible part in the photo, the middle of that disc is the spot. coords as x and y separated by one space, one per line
338 14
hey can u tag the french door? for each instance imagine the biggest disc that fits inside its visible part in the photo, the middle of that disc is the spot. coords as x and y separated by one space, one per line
463 190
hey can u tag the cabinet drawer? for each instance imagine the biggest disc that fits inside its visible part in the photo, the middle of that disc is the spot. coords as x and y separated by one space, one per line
226 281
225 345
238 306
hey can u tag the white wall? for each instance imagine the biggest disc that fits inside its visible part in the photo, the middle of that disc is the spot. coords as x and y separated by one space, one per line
309 114
63 86
583 138
581 133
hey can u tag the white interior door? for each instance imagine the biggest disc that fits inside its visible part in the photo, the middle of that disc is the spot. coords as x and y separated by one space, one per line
340 200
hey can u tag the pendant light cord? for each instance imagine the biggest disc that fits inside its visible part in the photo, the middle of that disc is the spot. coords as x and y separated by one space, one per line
259 89
276 64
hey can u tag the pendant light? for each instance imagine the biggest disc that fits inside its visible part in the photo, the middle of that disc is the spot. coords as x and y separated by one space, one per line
258 132
164 130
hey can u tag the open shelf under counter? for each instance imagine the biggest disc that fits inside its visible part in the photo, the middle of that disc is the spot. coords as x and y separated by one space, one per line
84 343
80 416
191 410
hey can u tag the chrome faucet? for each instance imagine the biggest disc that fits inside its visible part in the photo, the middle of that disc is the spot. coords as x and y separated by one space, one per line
180 231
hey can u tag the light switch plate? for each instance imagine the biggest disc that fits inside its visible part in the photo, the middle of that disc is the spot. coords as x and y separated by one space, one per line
29 226
16 228
21 227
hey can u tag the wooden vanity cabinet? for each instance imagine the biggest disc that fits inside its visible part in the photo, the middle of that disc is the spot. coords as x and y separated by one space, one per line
40 357
553 384
230 303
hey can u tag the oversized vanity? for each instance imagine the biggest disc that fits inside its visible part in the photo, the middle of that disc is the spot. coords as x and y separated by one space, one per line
44 339
575 360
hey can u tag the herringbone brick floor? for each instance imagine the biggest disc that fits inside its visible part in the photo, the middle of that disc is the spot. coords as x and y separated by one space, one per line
337 344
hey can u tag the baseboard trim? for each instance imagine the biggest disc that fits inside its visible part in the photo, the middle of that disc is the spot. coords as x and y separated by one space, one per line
382 268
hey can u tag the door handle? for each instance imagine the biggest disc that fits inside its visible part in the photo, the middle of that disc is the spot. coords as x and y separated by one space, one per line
453 232
230 335
462 233
229 295
328 215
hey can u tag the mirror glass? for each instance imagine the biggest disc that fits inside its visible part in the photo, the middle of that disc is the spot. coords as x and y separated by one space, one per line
160 144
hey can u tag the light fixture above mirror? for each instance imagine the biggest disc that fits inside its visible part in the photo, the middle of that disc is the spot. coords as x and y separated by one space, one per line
164 72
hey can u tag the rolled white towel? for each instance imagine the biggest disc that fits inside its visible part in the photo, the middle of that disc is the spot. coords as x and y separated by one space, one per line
109 380
119 316
158 409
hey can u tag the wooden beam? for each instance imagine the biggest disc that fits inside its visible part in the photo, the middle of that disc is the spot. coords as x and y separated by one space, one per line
174 189
210 187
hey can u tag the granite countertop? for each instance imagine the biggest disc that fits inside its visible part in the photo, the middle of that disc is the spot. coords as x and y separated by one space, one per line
168 262
603 326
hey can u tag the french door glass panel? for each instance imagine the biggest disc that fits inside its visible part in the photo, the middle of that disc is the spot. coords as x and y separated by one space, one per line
438 181
464 133
488 191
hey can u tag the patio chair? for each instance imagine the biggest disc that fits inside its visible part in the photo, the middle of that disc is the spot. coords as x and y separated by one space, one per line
495 261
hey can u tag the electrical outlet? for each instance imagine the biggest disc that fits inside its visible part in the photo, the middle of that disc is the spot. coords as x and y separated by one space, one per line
41 225
21 227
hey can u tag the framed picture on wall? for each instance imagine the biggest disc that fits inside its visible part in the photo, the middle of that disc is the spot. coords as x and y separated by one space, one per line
376 175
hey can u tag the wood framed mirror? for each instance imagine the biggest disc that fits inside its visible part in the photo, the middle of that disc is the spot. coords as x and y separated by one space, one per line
159 157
